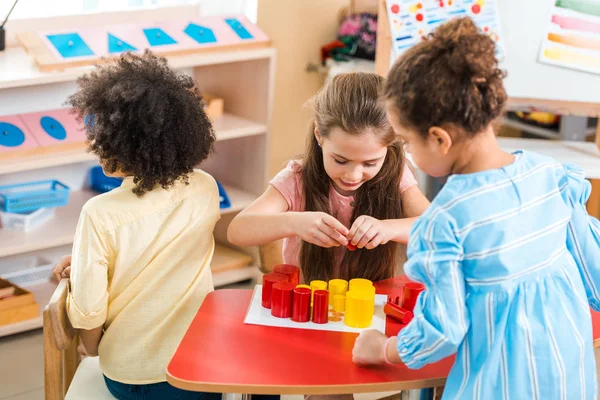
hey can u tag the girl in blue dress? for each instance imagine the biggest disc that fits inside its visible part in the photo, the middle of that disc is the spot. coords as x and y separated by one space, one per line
509 257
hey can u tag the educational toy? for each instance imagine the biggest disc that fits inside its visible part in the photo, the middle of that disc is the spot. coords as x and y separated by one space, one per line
412 20
360 307
291 271
281 299
39 132
320 313
337 287
332 317
393 310
267 287
54 127
411 293
13 136
57 50
301 304
357 283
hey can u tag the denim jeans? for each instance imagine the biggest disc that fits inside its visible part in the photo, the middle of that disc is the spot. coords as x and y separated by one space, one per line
163 391
155 391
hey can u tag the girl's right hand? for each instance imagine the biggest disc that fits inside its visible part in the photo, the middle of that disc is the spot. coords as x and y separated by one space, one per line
321 229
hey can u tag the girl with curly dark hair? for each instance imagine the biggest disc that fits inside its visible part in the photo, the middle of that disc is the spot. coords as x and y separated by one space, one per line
140 266
507 252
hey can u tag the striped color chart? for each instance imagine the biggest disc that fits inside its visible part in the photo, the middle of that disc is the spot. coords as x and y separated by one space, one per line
573 36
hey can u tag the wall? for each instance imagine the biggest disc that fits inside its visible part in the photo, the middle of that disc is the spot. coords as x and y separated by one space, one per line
298 29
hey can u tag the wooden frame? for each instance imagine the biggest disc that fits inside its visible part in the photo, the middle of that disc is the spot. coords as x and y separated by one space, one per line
60 345
382 63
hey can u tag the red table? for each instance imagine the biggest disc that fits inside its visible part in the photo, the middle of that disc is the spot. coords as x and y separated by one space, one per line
219 353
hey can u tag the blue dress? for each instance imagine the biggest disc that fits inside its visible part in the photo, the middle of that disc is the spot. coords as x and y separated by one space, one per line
511 264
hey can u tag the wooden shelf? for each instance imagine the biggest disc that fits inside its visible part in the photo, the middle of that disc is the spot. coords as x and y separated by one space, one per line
227 127
549 133
238 198
230 127
228 259
584 154
56 232
42 293
228 266
19 70
235 275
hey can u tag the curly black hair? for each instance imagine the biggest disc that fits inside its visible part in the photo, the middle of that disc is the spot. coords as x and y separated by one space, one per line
143 119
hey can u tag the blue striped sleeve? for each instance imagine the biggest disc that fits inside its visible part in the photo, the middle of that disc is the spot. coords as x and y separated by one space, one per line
441 319
583 235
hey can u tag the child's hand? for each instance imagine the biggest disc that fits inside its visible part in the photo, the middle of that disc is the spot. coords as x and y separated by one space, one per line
369 348
62 269
321 229
370 232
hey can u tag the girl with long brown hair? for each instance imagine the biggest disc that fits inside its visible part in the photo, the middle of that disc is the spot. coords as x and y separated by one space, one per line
351 187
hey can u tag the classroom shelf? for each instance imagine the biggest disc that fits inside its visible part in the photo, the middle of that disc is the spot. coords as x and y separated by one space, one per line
548 133
19 70
228 266
56 232
59 231
226 127
42 293
228 259
239 199
235 275
584 154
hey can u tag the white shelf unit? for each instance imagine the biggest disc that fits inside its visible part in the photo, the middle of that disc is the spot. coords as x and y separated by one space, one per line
244 79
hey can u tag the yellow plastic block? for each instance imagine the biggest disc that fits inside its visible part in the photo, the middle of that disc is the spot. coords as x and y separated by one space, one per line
303 286
337 287
359 283
360 307
339 303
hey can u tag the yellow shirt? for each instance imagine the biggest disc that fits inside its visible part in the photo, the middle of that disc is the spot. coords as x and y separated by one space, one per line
141 268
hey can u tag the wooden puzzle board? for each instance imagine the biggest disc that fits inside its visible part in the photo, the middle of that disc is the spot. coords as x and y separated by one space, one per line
257 315
57 50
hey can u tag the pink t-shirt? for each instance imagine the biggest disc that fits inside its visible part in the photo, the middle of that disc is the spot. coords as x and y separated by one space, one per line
289 183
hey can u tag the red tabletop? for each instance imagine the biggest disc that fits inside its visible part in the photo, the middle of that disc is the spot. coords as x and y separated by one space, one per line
219 353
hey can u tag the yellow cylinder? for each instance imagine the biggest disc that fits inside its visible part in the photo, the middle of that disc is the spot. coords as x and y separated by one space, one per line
359 309
339 303
337 287
316 285
359 283
303 286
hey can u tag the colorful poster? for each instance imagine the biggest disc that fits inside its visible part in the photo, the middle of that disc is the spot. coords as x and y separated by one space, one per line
573 37
412 20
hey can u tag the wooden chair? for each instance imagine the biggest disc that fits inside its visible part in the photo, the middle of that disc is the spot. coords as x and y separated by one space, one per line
66 376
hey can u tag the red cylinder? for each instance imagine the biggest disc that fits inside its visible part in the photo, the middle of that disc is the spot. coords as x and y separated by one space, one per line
351 247
301 307
320 307
291 271
281 299
268 281
398 313
411 292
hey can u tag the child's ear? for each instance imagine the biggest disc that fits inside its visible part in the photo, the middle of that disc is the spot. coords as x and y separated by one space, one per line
318 134
440 138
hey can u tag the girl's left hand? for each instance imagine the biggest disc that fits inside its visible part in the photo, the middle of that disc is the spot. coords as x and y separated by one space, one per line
370 232
369 348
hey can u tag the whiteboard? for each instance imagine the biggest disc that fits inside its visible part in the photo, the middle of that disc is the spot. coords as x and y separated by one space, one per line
524 24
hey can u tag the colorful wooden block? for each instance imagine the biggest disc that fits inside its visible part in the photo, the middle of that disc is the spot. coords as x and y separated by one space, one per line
53 127
14 135
158 37
70 45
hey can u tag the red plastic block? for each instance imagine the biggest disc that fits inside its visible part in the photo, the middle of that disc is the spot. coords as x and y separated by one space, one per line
398 313
301 307
281 299
291 271
411 292
320 307
267 287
